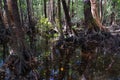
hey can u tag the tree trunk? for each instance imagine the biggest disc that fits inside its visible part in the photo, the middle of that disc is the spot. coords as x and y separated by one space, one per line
101 10
112 22
67 15
17 43
4 42
94 10
0 6
72 10
31 25
87 56
45 13
7 16
54 10
59 18
21 11
88 18
69 5
51 14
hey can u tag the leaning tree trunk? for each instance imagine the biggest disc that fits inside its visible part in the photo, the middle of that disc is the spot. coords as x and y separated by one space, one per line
90 22
67 15
69 28
94 10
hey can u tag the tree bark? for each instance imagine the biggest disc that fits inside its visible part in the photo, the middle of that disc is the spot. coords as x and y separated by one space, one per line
0 6
45 13
94 10
21 11
72 10
87 9
17 43
7 16
87 56
101 10
59 18
69 1
4 42
112 22
51 10
31 26
67 15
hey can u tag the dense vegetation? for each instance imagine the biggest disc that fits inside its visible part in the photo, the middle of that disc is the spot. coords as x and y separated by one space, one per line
59 39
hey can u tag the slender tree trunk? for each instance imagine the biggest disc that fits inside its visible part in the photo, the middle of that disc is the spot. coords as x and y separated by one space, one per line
112 22
45 13
21 11
0 6
32 34
104 20
61 73
68 19
50 16
7 16
59 18
69 1
67 15
51 11
101 10
72 12
53 14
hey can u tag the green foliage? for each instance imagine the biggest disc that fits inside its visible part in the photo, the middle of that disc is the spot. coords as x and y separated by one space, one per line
23 6
78 10
44 26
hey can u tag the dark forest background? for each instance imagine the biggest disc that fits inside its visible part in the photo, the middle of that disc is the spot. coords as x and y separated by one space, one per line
59 40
